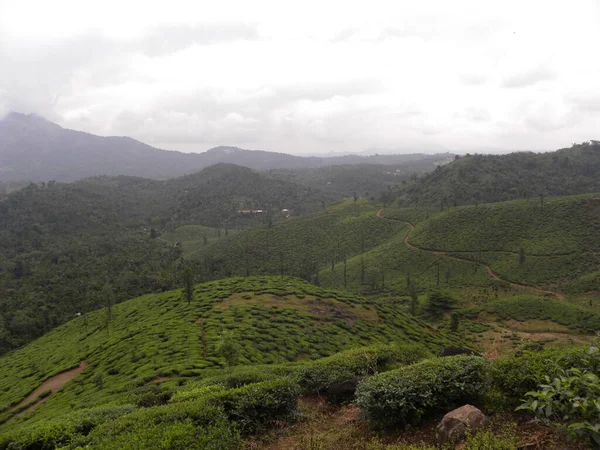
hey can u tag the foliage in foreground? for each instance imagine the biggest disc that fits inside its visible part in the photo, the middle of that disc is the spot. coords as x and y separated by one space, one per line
570 398
410 394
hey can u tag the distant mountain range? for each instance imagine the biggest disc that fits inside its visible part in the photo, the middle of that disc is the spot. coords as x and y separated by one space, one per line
35 149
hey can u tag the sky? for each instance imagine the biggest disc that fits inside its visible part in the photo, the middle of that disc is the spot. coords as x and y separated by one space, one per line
309 77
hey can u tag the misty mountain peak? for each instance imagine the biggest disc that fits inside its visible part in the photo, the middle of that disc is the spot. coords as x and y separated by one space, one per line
224 150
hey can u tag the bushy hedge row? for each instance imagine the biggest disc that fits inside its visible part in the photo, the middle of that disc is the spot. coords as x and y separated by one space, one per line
409 394
514 376
316 376
50 434
218 412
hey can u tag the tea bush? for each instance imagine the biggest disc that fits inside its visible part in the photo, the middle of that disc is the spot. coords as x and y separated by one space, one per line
409 394
572 398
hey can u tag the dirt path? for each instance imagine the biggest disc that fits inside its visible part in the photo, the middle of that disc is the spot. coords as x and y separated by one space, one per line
52 384
490 271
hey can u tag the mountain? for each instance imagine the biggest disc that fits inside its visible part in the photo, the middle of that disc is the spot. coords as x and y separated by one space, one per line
495 178
35 149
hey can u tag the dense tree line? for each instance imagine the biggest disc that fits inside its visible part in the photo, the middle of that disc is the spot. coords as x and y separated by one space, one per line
61 243
475 179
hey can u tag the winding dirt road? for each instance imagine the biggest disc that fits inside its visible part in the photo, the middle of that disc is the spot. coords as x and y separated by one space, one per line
490 271
51 384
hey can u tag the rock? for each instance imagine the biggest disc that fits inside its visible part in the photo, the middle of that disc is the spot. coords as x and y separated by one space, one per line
453 351
455 424
343 391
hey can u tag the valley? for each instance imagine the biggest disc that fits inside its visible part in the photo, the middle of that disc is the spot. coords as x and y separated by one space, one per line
135 309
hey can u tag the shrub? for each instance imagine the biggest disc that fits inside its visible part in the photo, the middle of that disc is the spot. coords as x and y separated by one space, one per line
572 397
170 436
257 405
519 374
58 432
148 396
316 376
238 377
409 394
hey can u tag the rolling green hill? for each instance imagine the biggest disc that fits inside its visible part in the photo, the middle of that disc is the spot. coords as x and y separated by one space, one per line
193 239
298 246
554 245
275 319
496 178
544 248
61 243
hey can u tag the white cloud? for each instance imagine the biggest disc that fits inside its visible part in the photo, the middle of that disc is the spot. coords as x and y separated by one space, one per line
310 76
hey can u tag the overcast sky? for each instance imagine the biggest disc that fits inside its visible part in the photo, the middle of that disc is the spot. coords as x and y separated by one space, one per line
308 77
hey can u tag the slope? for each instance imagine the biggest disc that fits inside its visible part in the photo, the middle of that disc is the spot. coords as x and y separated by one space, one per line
275 319
299 246
553 245
494 178
62 242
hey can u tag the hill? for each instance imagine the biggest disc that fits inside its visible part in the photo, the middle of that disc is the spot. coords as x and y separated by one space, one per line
544 248
275 319
552 244
495 178
364 179
251 363
474 254
35 149
299 246
63 242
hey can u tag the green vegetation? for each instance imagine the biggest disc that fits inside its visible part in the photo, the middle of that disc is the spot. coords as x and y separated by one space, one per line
193 239
560 239
571 398
528 307
62 242
301 246
410 394
275 320
476 179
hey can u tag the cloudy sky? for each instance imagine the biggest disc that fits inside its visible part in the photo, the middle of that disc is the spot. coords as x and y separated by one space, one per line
309 77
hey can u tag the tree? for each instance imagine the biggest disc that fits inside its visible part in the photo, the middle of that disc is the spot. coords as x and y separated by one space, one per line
228 348
439 302
108 298
188 283
522 256
414 298
454 321
362 271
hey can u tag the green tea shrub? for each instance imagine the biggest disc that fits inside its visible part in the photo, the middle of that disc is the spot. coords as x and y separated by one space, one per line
570 398
173 436
55 433
316 376
148 396
257 405
515 376
238 377
409 394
